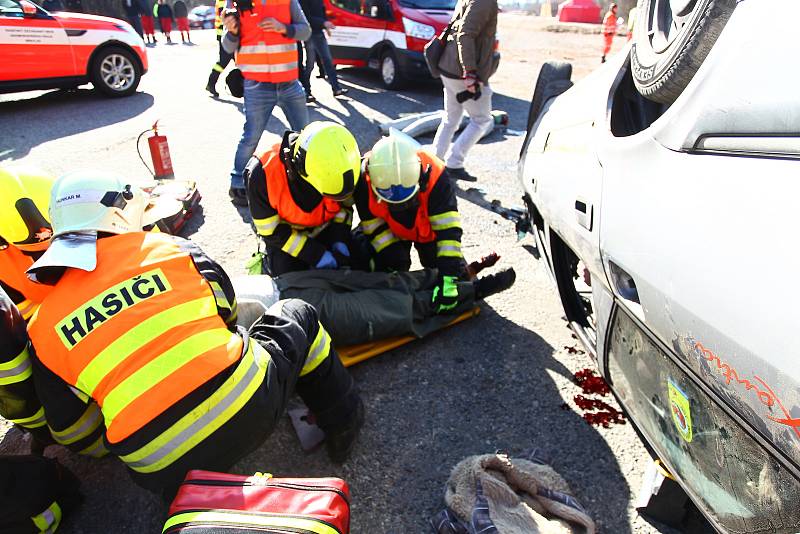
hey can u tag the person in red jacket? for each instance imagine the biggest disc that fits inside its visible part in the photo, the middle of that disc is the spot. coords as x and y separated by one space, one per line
165 19
609 29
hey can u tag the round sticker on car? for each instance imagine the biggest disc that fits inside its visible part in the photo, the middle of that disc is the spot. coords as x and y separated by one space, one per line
681 412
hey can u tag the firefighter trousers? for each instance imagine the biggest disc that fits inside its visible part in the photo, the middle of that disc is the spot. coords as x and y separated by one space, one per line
302 360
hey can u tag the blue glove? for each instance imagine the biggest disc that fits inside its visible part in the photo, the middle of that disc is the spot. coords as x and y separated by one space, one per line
341 248
327 261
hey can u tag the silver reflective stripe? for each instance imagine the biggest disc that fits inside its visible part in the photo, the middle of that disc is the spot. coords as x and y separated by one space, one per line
280 67
383 239
322 347
371 225
96 449
219 295
444 223
93 417
206 418
314 232
267 226
18 373
262 48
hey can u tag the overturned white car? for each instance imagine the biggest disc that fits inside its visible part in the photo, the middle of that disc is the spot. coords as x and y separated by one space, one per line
662 188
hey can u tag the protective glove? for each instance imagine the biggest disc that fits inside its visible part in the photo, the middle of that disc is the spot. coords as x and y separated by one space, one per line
327 261
341 254
445 294
341 248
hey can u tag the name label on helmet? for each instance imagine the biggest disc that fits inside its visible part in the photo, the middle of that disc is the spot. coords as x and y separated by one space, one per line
80 323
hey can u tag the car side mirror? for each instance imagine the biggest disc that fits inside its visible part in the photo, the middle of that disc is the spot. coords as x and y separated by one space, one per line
29 10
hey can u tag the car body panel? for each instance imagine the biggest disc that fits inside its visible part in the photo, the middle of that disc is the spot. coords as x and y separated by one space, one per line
60 45
359 39
697 210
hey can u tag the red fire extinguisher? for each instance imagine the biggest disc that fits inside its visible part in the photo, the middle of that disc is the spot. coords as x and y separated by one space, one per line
159 152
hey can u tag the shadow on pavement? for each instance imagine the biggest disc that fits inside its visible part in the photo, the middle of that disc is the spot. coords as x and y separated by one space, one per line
429 406
78 111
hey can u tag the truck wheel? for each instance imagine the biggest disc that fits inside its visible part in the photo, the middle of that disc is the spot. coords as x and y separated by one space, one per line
115 72
671 40
390 71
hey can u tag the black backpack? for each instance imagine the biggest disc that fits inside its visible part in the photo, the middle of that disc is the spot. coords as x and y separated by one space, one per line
35 492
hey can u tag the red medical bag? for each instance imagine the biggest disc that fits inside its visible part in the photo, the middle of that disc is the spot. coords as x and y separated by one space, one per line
215 503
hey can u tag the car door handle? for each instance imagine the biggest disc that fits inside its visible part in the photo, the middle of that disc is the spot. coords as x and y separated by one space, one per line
584 212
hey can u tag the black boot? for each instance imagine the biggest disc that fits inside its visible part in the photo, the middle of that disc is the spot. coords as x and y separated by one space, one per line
341 438
331 394
494 283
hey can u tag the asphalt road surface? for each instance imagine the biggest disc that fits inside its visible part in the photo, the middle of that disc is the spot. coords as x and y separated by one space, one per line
495 382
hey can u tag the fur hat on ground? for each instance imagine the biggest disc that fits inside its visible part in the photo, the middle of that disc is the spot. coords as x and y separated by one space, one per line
522 496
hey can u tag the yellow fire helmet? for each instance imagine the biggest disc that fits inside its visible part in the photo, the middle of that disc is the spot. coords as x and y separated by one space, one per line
24 201
326 156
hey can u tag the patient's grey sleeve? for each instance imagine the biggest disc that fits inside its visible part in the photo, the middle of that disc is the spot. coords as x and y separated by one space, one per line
359 307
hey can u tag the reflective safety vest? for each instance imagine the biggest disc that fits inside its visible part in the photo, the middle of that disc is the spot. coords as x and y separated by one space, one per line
266 56
13 264
219 7
280 197
609 24
137 334
421 232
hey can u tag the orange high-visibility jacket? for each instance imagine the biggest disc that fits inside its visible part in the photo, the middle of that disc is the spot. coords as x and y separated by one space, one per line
422 232
280 197
266 56
137 334
13 264
609 24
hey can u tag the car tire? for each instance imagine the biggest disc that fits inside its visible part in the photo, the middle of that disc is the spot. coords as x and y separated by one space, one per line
668 47
389 70
115 72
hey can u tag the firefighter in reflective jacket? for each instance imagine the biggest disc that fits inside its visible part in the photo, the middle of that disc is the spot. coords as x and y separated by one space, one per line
225 57
404 198
18 401
299 195
24 235
152 341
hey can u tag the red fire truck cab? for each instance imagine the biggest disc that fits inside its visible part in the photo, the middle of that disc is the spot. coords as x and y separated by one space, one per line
386 35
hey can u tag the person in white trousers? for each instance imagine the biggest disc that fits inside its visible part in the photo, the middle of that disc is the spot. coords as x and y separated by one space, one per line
467 62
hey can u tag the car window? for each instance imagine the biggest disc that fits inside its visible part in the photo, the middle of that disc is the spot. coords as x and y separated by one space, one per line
10 8
736 481
359 7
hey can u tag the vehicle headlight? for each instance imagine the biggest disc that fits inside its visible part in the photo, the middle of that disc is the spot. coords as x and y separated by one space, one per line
418 30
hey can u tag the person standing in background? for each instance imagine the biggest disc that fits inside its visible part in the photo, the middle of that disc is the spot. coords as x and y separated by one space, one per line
264 38
165 19
224 56
609 29
317 48
148 23
468 60
632 14
132 12
182 18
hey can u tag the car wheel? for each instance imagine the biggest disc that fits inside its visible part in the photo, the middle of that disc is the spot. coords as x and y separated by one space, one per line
390 71
115 72
671 40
